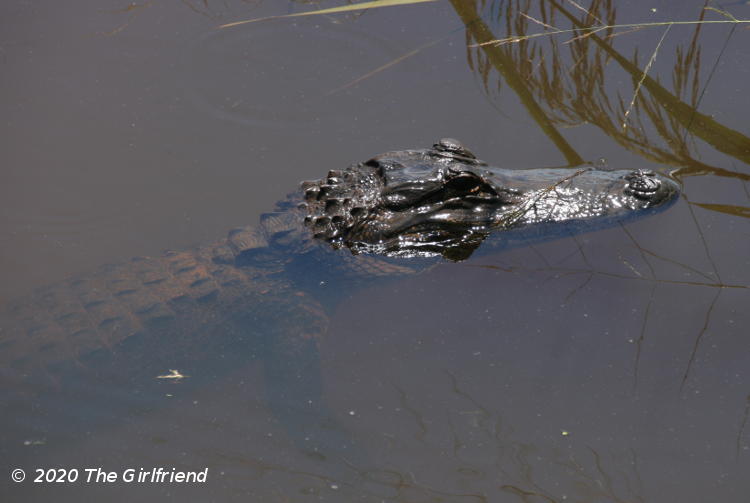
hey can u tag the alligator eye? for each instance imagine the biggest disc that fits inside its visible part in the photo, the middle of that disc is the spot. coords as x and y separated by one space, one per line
464 182
449 144
453 146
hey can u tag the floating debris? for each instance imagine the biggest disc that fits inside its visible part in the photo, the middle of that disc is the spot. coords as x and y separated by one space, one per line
173 374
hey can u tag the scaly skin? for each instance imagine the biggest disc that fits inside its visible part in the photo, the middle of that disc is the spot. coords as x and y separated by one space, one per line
177 296
181 298
227 303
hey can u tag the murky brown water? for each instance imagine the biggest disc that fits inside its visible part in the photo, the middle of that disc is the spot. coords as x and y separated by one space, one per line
609 367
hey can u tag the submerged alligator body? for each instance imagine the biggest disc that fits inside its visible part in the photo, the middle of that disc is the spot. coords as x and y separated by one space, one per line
392 215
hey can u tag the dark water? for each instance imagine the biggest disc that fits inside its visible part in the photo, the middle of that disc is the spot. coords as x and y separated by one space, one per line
608 367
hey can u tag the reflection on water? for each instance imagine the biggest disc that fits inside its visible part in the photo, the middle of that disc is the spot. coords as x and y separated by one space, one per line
607 367
557 94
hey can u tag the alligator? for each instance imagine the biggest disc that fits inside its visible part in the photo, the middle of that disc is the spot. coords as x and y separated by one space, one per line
270 286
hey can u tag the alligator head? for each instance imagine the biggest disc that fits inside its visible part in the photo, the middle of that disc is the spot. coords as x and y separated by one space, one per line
443 200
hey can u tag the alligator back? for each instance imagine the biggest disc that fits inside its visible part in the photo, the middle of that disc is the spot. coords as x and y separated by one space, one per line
255 279
173 298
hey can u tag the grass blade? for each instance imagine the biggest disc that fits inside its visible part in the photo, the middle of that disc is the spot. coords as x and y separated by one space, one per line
333 10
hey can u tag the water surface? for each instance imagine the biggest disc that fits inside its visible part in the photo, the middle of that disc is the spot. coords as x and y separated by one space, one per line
607 367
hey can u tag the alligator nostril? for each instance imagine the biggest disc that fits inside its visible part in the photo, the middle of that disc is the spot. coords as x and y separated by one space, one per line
642 184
